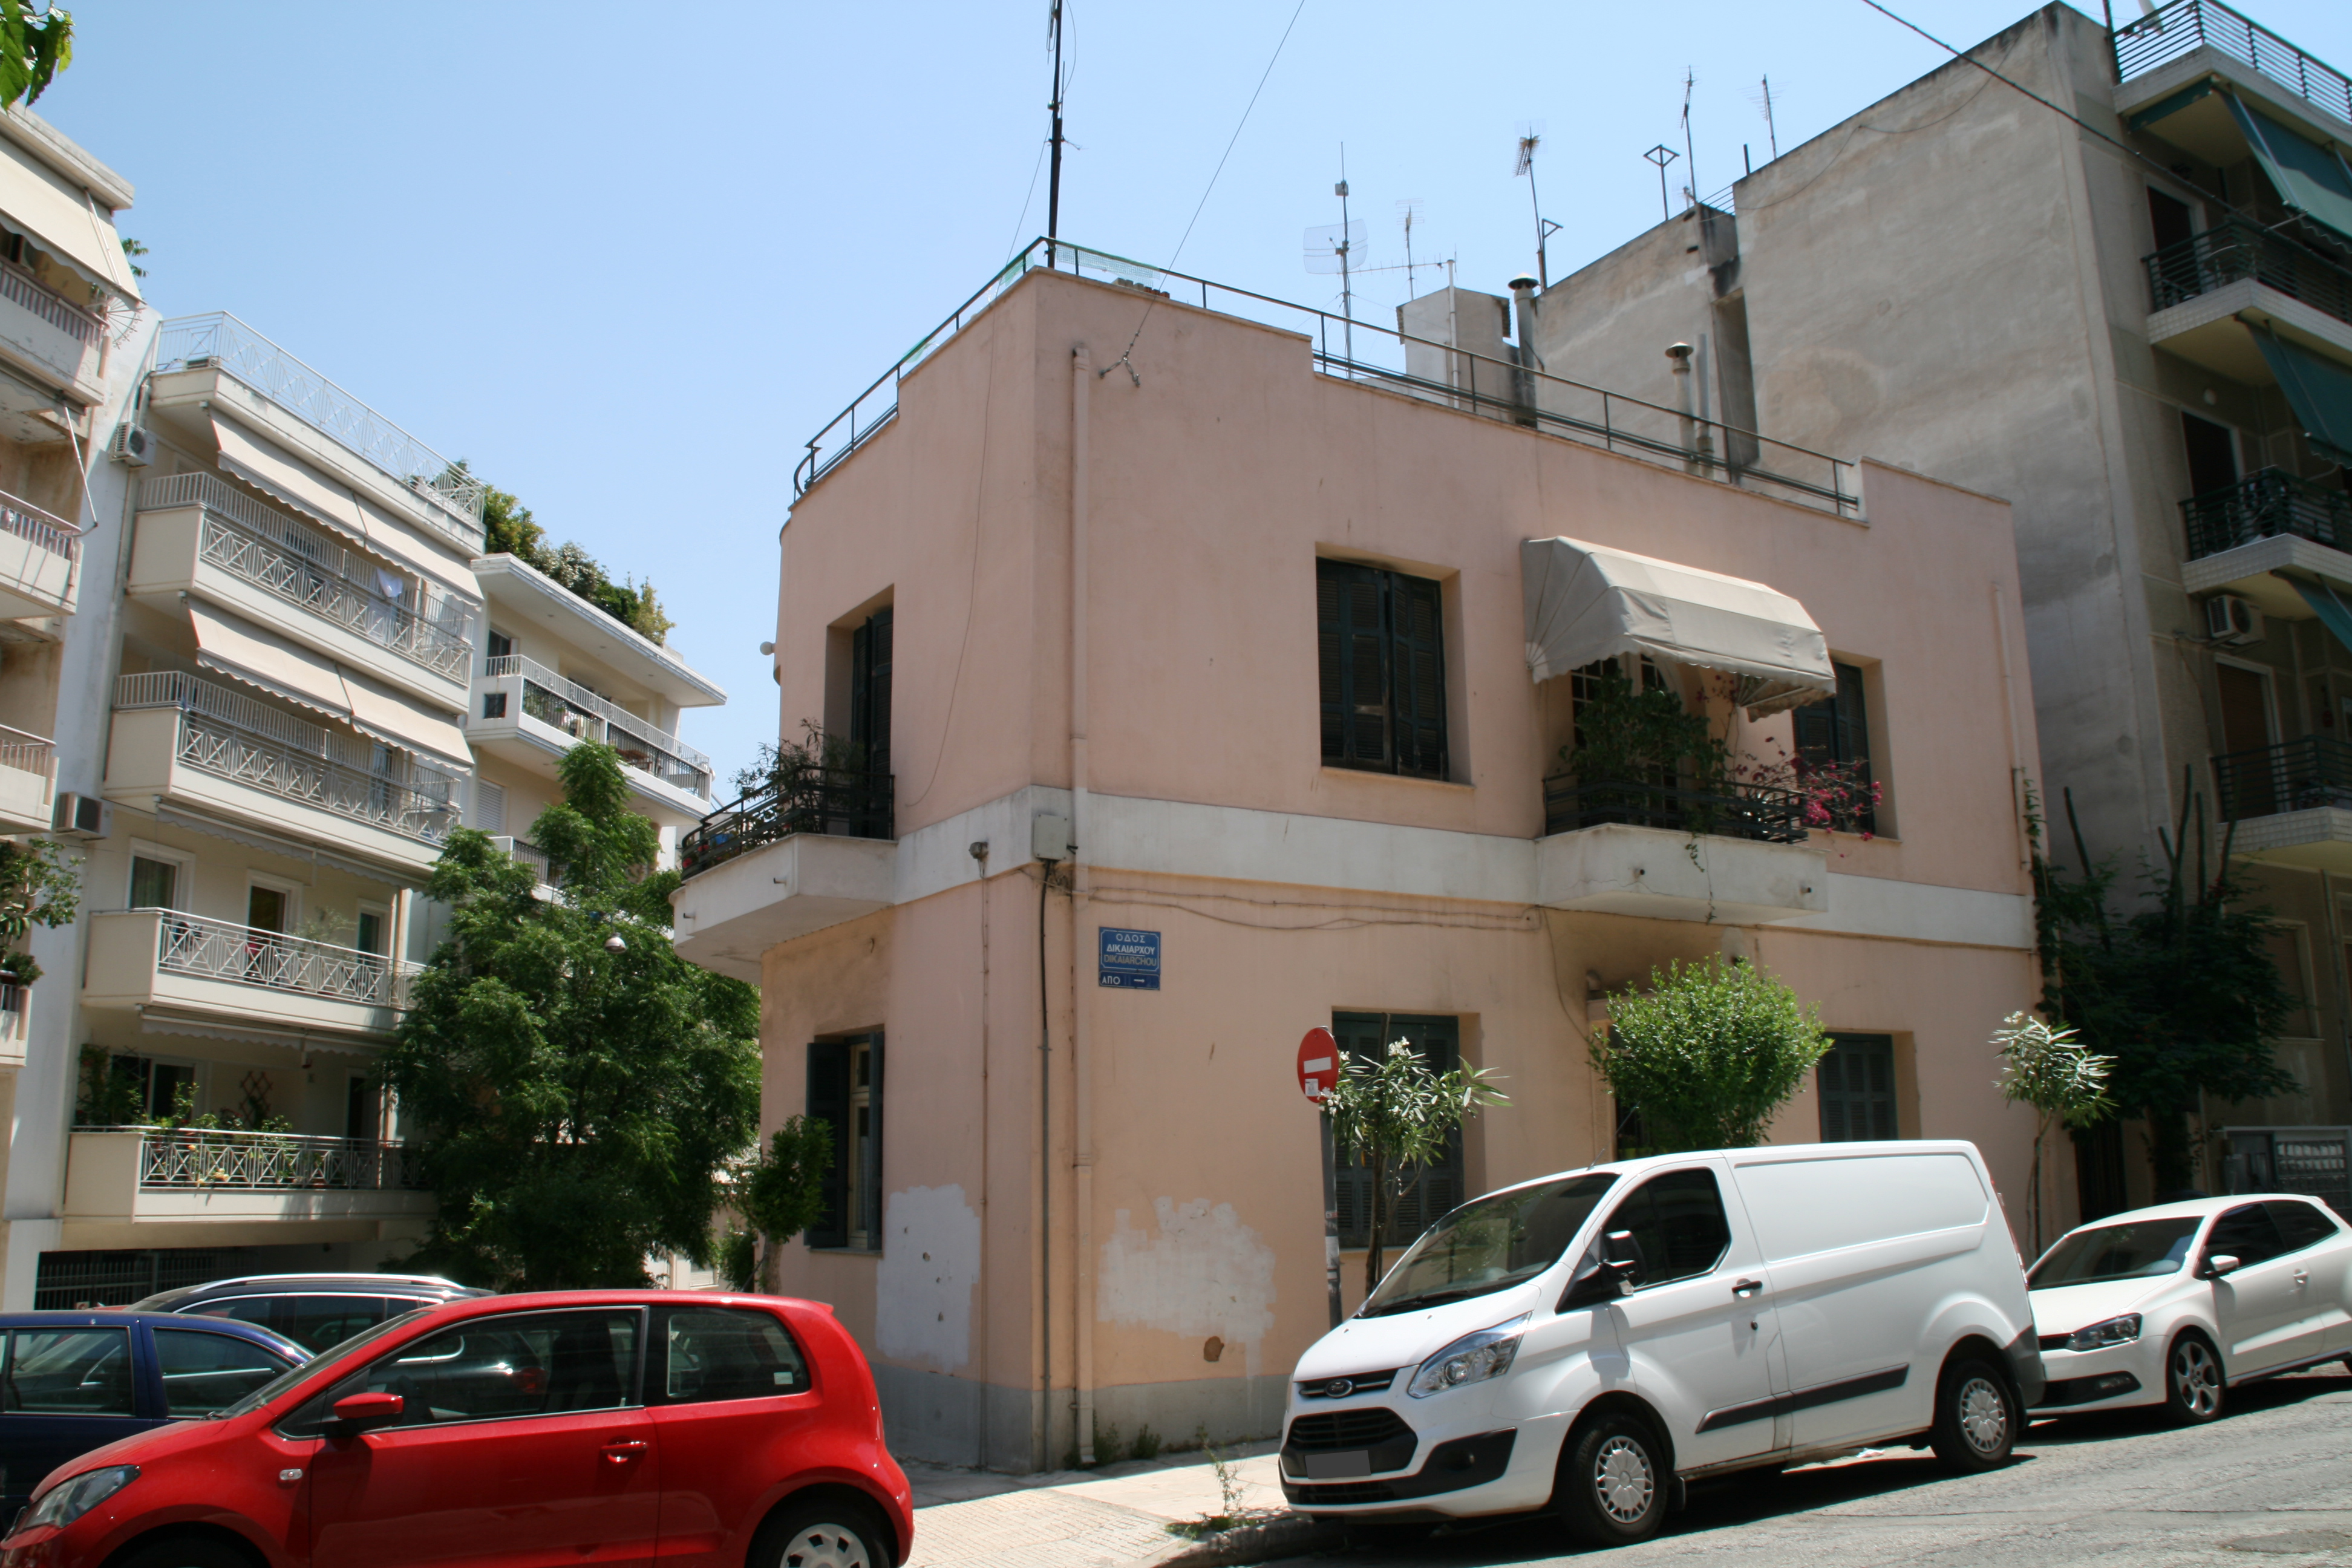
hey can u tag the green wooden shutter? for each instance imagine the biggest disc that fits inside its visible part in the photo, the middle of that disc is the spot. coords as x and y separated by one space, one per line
1353 630
870 1187
1856 1081
1417 662
828 1101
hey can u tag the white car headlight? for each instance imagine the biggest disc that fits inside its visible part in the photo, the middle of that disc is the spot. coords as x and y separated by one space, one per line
1473 1358
2098 1336
77 1495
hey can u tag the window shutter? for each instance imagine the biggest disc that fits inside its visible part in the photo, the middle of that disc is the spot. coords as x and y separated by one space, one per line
872 1185
1856 1081
1331 682
1353 656
1418 662
828 1101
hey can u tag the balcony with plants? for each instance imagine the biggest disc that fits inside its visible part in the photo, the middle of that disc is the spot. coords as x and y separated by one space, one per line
524 713
170 962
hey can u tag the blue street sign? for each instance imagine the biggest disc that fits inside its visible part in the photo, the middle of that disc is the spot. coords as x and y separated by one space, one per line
1129 960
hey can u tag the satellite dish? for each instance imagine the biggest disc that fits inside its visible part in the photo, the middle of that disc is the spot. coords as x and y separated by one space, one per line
1337 247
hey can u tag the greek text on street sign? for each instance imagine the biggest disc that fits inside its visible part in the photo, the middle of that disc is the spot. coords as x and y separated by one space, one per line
1319 1064
1129 960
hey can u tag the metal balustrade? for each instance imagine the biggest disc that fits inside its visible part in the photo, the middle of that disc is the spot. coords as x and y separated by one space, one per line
220 340
2186 26
50 307
247 955
176 1158
2296 775
567 706
2265 503
1739 811
27 753
2233 250
834 801
45 529
306 568
176 689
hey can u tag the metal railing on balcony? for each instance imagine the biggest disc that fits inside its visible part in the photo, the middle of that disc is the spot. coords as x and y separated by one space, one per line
2186 25
220 950
2233 250
1741 811
2266 503
27 753
1377 355
199 342
834 801
45 529
2296 775
304 568
226 733
54 308
173 1159
530 855
573 709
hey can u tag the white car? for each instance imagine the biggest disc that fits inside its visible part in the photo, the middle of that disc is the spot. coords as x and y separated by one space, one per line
2173 1305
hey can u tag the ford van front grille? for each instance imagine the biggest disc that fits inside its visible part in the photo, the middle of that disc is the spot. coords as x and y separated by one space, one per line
1343 1387
1366 1429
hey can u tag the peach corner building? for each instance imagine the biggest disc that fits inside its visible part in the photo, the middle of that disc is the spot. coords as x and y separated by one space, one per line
1209 666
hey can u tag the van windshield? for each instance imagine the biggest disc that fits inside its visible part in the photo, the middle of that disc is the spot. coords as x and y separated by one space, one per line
2143 1249
1489 1244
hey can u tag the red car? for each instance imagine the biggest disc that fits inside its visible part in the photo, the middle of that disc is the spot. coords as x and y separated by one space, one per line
584 1427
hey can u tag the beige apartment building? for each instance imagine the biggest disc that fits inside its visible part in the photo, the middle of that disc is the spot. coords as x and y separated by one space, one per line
2136 329
1197 696
294 671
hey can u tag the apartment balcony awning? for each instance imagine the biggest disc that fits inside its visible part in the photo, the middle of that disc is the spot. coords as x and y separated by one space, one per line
2318 390
1586 602
243 651
2308 176
274 472
65 221
376 710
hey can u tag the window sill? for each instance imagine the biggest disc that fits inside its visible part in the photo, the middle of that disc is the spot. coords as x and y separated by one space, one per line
846 1251
1330 772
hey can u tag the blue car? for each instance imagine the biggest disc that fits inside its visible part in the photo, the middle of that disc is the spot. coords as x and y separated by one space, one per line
72 1382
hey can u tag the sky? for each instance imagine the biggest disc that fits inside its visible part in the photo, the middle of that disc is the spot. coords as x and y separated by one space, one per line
626 260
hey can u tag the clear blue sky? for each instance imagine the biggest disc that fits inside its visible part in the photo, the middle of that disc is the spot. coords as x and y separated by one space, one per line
626 259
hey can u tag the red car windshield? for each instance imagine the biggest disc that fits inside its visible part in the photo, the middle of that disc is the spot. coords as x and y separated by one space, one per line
287 1380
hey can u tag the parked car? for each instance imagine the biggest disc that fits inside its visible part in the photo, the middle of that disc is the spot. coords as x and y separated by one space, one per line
79 1381
1590 1341
616 1426
2174 1305
315 1311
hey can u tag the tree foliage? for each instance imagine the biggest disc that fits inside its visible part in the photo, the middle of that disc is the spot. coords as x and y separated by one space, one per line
579 1101
779 1194
34 46
1395 1114
1709 1055
2063 1079
508 529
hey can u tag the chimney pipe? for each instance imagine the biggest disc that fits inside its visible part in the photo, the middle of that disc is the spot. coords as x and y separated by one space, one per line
1679 355
1523 322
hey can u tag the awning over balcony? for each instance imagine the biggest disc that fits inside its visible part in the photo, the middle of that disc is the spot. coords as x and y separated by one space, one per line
302 487
376 711
243 651
2309 176
1585 602
63 220
2318 390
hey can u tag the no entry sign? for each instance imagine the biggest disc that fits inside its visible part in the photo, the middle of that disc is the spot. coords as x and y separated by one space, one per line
1319 1064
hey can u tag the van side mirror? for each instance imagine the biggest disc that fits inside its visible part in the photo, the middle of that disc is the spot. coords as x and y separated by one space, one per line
1621 1256
1615 1272
358 1412
2218 1265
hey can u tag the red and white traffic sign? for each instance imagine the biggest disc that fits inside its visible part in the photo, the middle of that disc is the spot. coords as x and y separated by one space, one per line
1319 1065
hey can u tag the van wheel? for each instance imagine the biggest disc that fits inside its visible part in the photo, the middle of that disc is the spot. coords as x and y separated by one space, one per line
1976 1418
1612 1489
821 1534
2194 1387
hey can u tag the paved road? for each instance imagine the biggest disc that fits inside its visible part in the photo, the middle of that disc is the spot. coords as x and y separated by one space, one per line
2270 1483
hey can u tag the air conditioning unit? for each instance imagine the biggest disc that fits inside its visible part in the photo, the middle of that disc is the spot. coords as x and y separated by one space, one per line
82 817
133 444
2231 618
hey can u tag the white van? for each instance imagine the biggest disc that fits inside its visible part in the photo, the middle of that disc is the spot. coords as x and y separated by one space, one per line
1590 1341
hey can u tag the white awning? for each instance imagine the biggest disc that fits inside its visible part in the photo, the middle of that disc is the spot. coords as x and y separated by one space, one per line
1586 602
244 651
389 537
398 722
290 479
63 219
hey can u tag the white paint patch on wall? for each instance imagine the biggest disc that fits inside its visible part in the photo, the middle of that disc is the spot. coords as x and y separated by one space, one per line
1207 1273
922 1289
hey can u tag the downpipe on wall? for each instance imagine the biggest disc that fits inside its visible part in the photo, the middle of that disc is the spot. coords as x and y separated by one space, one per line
1082 1153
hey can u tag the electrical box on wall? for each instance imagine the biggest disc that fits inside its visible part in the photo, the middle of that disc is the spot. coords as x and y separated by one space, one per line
1049 838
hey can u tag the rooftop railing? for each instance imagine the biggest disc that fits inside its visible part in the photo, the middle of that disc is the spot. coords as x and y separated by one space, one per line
221 950
2234 251
1742 811
175 1159
2262 505
198 343
2186 26
304 567
573 709
837 801
1376 355
2296 775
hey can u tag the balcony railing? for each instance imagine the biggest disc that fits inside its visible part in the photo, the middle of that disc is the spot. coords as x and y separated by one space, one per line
2298 776
576 711
2233 250
71 320
304 567
1743 811
199 342
2186 25
226 734
218 950
1378 355
183 1158
834 801
2263 504
44 530
27 753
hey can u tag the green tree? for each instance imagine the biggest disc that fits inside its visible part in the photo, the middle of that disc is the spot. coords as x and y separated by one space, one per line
779 1194
2065 1080
2180 991
1709 1055
34 46
508 529
580 1086
1395 1114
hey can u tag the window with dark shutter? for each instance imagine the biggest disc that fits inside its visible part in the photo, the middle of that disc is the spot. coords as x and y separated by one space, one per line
869 689
1857 1089
1836 733
828 1101
1433 1190
1381 669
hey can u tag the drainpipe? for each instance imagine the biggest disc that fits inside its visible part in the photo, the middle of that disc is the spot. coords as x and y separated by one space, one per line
1082 1153
1523 323
1680 356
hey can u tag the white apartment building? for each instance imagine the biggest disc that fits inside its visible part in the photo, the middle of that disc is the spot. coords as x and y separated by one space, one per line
293 673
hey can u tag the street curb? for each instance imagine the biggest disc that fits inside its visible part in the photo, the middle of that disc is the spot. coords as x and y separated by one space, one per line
1285 1537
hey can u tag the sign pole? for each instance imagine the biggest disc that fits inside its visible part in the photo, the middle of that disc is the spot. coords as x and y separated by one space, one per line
1318 1074
1330 1220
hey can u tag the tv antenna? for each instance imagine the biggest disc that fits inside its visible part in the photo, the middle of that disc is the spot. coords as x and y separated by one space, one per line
1340 248
1661 155
1530 137
1409 213
1053 185
1764 103
1690 158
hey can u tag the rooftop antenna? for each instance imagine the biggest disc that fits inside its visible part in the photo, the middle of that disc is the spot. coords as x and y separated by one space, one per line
1054 186
1531 138
1690 159
1409 210
1771 129
1661 155
1340 248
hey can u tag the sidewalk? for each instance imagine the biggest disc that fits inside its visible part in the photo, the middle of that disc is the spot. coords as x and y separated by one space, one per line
1106 1518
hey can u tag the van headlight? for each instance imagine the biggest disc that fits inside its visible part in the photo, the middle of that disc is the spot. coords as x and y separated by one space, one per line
77 1495
1473 1358
2099 1336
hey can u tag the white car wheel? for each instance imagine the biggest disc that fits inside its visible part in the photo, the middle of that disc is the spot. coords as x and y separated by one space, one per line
2193 1383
